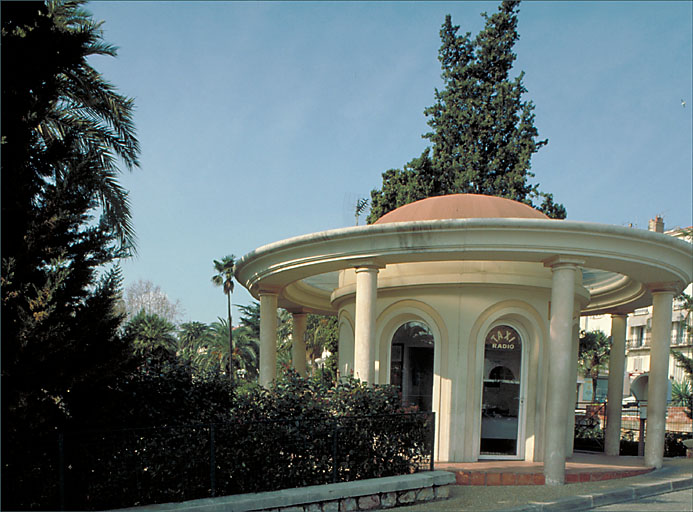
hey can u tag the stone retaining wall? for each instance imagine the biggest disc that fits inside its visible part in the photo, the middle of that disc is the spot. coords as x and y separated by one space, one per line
371 494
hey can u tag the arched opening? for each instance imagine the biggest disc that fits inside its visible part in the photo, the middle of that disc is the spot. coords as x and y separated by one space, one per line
501 399
411 364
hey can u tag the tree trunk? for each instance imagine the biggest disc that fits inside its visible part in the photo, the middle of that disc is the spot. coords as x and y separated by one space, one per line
231 373
595 377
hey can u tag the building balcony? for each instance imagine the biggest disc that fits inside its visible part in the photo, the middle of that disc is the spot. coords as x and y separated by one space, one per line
644 342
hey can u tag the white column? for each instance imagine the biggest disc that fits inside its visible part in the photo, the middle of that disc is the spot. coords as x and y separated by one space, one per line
657 382
268 338
345 350
560 381
617 361
298 344
364 336
570 428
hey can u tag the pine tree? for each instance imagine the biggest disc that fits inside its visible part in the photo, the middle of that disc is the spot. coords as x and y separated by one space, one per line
483 134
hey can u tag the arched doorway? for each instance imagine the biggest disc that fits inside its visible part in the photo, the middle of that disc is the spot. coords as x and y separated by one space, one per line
501 406
411 364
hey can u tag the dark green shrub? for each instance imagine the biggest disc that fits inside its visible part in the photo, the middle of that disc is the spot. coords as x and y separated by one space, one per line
589 437
673 444
300 432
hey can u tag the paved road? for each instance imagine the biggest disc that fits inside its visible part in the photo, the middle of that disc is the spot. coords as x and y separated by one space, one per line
678 501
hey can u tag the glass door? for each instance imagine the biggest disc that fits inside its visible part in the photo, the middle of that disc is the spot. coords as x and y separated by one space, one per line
411 364
501 398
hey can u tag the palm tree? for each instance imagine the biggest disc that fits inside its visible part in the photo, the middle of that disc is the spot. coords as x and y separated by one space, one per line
593 356
193 337
152 337
682 392
360 207
246 352
224 277
250 322
213 354
321 334
78 123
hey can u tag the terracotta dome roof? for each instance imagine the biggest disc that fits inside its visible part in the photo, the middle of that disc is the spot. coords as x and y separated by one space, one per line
461 206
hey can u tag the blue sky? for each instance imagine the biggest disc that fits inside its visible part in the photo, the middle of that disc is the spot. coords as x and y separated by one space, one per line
260 121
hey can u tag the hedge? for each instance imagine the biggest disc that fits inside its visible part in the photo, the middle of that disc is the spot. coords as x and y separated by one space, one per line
300 432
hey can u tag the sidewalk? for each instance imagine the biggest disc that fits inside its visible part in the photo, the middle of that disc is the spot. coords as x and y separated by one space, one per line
676 474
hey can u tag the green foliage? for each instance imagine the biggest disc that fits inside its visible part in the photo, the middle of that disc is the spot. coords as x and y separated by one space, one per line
303 416
191 337
483 134
65 225
593 356
150 333
682 395
137 430
250 318
682 392
62 123
686 304
360 207
65 218
287 436
250 321
211 353
684 362
322 333
673 444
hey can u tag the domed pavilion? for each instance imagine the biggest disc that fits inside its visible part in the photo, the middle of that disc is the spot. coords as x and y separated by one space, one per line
470 304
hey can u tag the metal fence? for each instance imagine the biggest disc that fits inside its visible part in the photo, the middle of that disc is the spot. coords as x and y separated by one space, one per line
590 415
590 422
129 467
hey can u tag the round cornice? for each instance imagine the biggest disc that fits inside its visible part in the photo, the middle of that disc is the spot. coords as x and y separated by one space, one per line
644 258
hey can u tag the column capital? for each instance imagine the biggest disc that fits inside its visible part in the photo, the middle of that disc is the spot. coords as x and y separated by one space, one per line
369 270
619 315
560 261
366 264
663 288
268 293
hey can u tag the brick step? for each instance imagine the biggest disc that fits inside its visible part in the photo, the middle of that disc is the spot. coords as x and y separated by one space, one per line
537 478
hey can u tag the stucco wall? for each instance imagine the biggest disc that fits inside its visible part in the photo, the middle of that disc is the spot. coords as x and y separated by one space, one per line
460 302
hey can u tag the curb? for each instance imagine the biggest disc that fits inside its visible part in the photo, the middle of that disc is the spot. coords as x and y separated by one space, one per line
588 502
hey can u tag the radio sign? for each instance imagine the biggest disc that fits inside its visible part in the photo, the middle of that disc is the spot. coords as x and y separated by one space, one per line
503 338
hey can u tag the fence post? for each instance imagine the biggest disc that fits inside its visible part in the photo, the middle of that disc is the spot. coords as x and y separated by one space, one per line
61 469
335 462
212 461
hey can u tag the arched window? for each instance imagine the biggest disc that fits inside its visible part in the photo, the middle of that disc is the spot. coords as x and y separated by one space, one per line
411 364
501 373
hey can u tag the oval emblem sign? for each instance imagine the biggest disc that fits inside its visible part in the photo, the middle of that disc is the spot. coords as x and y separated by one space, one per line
503 338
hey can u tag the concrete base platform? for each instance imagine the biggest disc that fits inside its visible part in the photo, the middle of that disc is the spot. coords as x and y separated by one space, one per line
581 467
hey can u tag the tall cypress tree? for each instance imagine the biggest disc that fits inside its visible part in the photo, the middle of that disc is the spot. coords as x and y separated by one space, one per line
483 134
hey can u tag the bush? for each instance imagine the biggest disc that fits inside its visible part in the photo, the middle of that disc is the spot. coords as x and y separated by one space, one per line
300 432
592 439
673 444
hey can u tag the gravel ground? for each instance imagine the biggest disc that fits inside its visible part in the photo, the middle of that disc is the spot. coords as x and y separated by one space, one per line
477 497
